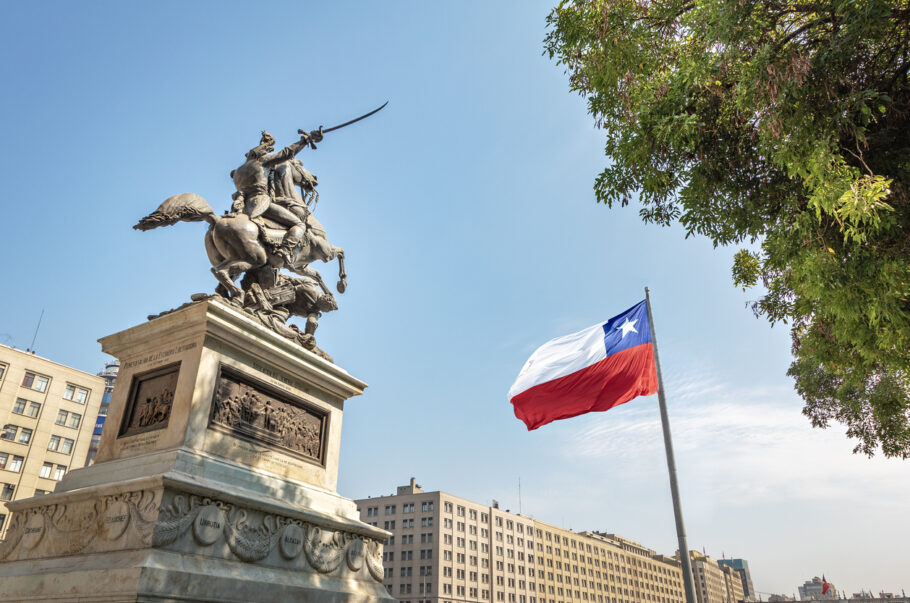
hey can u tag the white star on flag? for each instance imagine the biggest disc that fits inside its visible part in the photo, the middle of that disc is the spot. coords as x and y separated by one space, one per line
626 327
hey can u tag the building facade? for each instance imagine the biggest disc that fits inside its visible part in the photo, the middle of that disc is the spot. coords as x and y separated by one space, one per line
741 567
811 590
710 579
109 374
446 549
48 410
734 584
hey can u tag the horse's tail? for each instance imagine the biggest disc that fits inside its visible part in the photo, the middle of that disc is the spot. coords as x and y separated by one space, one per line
185 207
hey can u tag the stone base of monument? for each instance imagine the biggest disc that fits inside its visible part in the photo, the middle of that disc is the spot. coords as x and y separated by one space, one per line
215 479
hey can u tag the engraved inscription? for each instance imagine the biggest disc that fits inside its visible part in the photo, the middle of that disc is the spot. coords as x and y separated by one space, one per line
158 357
115 519
208 525
291 542
150 401
139 443
254 412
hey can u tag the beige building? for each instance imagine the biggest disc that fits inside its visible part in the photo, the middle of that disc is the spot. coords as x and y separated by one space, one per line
447 549
735 592
710 579
49 411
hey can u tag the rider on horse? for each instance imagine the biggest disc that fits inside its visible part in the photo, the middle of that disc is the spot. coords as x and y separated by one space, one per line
252 186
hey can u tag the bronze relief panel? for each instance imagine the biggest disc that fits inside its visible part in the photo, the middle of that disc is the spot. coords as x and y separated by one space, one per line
150 400
250 409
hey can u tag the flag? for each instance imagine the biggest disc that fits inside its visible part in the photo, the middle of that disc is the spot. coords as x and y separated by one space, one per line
589 371
825 585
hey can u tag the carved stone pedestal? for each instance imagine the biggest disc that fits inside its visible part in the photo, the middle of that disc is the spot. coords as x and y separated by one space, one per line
215 479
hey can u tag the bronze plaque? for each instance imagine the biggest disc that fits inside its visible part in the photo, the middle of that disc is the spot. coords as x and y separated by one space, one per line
250 409
149 404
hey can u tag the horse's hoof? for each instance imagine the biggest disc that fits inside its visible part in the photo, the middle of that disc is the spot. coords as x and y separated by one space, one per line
342 285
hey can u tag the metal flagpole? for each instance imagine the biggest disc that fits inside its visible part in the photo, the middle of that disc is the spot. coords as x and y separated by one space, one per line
671 465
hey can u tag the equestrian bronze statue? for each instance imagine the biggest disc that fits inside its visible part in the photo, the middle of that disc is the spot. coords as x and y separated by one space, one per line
269 228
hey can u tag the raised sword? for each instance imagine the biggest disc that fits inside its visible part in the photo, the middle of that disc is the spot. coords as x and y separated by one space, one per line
322 130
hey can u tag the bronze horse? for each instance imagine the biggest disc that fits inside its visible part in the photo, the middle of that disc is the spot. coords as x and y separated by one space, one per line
235 245
284 181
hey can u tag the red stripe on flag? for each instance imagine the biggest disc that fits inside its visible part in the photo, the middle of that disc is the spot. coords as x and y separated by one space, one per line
613 381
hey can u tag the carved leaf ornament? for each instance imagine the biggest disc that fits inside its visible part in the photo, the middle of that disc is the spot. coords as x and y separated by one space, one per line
324 550
68 529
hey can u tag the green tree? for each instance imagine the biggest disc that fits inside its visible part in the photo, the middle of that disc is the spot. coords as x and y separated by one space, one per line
784 127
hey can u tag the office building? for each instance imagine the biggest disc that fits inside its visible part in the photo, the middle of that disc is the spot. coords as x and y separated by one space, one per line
109 374
446 549
734 584
811 590
48 410
710 580
741 567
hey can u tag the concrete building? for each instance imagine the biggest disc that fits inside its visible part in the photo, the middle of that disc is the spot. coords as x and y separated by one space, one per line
710 580
447 549
48 410
109 374
734 584
741 566
811 590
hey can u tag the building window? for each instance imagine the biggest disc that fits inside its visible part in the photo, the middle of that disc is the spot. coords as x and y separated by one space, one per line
4 458
75 393
25 436
19 406
75 419
61 417
2 372
9 432
33 409
16 463
40 492
67 446
54 443
35 382
46 470
7 492
59 472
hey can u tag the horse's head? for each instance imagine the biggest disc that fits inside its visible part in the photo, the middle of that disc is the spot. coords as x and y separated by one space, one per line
326 303
303 178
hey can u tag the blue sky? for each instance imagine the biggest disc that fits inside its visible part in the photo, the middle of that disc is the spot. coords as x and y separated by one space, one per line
472 236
